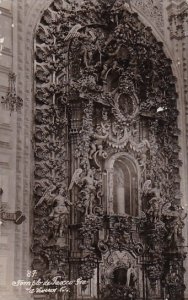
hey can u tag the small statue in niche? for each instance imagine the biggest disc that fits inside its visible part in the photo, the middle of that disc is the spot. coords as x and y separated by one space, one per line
175 233
96 145
173 277
131 276
153 195
88 191
143 150
100 135
154 211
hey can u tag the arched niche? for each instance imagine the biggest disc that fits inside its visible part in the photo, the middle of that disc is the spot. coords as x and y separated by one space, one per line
122 185
119 270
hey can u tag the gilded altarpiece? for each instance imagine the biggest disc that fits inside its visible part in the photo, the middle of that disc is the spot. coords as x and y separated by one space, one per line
106 195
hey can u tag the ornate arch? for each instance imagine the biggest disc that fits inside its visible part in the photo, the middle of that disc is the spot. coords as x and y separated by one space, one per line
130 171
102 88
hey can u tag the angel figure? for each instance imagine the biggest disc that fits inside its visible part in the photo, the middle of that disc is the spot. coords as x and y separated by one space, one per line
87 185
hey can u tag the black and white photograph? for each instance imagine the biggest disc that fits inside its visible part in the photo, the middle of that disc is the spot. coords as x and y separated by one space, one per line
93 149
